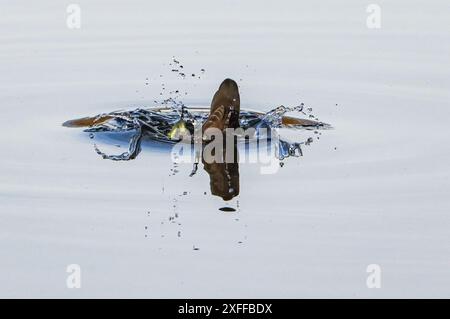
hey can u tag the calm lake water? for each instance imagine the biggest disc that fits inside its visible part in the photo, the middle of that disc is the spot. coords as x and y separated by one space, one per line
374 190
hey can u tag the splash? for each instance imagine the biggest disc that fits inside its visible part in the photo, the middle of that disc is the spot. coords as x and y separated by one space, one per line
162 123
172 118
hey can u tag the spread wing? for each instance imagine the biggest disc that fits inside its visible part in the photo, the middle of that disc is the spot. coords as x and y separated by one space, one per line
87 121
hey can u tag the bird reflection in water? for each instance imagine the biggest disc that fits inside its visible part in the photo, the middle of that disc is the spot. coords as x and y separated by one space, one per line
223 173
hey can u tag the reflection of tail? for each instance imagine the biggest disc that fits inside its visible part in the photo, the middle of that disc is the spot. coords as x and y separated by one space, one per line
223 175
224 179
87 121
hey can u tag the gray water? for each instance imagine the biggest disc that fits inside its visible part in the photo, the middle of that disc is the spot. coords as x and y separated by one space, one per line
373 190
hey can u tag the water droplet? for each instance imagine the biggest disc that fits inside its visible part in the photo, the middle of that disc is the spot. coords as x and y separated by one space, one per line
227 209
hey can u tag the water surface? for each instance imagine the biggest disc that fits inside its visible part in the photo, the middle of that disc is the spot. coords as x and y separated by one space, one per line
371 191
